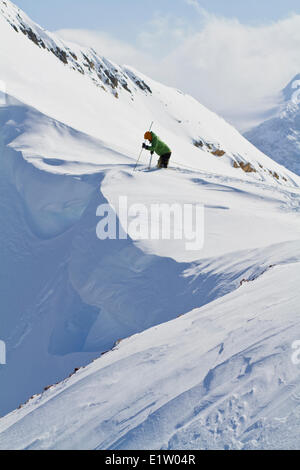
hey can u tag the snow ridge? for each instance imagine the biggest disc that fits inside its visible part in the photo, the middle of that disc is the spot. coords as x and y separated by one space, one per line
102 72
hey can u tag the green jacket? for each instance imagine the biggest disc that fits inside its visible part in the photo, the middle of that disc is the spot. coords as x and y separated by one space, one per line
158 146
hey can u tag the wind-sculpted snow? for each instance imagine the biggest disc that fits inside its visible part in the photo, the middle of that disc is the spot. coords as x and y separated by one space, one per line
78 295
221 377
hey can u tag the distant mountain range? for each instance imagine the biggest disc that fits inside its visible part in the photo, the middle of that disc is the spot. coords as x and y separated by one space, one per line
279 137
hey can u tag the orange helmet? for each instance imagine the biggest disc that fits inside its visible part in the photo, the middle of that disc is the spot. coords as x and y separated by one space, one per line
148 136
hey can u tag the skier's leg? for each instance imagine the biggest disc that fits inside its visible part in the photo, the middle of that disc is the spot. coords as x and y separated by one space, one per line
165 160
160 163
168 159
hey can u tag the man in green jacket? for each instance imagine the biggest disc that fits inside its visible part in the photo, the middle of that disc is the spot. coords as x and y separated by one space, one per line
158 147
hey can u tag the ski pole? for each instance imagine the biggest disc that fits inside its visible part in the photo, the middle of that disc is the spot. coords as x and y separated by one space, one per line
142 149
150 163
138 159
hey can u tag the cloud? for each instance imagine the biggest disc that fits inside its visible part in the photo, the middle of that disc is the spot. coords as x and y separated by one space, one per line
106 45
236 69
162 34
195 4
232 68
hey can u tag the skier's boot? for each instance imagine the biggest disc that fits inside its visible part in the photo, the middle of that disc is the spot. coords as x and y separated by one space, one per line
160 163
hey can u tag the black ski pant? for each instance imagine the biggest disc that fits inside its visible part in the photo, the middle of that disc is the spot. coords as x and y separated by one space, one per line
163 161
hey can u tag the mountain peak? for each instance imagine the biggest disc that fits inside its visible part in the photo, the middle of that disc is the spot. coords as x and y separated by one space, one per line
13 14
81 72
103 73
279 137
291 91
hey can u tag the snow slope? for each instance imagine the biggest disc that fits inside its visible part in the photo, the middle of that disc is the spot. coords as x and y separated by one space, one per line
68 143
219 377
279 137
118 117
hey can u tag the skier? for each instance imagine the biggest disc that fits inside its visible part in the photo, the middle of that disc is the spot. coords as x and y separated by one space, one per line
158 147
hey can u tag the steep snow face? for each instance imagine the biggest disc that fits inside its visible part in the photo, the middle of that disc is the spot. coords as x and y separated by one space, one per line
279 137
100 71
77 295
222 377
116 104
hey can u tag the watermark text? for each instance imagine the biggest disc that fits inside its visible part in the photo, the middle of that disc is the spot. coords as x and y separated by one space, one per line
2 353
152 222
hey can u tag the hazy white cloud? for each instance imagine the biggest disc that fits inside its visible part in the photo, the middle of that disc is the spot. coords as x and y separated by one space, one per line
106 45
237 69
195 4
162 34
234 69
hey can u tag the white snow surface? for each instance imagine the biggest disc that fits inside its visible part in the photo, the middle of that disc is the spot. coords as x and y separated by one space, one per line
220 376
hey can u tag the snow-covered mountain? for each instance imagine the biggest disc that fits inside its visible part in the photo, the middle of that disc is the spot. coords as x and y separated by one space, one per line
71 128
112 104
279 137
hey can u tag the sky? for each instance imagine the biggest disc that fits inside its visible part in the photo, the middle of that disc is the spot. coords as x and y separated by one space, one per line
231 55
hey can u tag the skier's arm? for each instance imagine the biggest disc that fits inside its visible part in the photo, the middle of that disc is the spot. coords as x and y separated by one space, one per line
153 144
146 147
151 147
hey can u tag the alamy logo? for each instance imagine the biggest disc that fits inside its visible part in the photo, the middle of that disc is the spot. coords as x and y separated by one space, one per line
2 353
296 354
153 222
2 93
